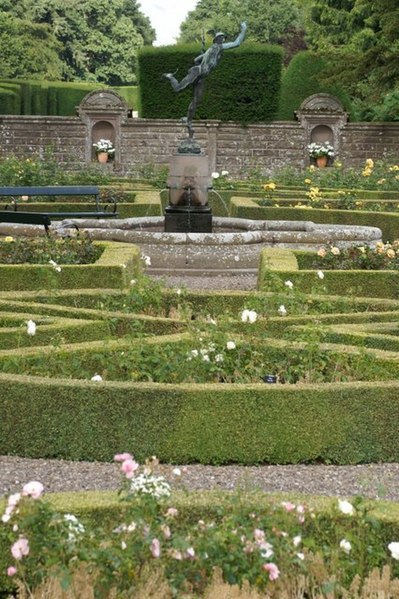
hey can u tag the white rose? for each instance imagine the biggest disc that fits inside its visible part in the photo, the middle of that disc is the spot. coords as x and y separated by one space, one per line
345 546
394 549
345 507
31 328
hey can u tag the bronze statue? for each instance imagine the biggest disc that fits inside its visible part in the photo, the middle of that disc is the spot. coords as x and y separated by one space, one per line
203 65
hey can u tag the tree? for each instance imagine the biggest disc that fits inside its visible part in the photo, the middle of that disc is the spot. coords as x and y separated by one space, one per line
361 42
98 39
269 21
27 50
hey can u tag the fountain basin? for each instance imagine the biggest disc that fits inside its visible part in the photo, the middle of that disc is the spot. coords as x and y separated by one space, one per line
233 247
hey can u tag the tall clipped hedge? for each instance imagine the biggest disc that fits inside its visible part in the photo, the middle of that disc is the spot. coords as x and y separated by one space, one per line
245 86
53 98
10 99
303 78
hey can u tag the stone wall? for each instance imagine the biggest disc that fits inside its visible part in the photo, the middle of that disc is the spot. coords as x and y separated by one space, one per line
237 148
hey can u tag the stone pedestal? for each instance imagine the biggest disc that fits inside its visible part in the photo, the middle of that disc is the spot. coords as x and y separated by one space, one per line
187 219
188 183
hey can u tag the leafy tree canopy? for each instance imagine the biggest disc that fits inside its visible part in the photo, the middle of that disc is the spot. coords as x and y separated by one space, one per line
361 41
98 39
27 50
269 21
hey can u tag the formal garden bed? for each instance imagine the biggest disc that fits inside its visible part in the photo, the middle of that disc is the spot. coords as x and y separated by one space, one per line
98 358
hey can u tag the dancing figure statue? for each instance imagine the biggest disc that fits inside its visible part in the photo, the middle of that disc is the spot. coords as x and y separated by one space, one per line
203 65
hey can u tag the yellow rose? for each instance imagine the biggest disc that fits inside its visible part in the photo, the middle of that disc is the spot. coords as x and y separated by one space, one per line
308 181
390 254
322 252
8 238
335 251
370 163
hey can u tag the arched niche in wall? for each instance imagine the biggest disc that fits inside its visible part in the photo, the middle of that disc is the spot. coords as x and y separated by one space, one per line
103 113
322 116
101 130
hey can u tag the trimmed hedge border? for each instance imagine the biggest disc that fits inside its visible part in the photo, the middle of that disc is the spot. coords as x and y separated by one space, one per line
344 423
388 222
117 265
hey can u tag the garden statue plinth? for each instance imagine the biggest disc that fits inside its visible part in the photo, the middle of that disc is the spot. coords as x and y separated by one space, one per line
188 183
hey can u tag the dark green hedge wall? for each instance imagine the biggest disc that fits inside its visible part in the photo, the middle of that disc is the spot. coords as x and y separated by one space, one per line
245 86
10 100
53 98
303 78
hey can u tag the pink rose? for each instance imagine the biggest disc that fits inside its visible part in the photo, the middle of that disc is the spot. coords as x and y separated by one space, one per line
11 571
272 570
33 489
287 505
14 499
259 534
121 457
20 548
155 548
129 467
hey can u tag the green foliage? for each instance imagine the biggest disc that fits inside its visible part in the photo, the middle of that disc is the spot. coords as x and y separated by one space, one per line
45 170
268 22
257 68
95 41
249 540
382 257
77 250
302 78
27 49
360 40
10 101
115 267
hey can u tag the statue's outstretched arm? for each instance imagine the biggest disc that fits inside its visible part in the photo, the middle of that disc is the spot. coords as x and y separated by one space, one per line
239 39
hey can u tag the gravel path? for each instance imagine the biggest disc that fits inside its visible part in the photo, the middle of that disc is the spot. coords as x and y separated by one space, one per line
371 480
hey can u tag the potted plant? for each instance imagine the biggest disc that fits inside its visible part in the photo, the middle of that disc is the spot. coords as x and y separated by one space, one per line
104 150
321 152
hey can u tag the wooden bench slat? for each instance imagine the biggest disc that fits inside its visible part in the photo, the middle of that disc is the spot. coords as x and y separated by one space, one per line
68 190
44 218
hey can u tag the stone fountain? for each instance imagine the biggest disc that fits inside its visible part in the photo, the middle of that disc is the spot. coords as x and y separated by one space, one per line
187 239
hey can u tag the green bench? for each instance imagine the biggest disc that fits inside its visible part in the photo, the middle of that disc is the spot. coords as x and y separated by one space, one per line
11 214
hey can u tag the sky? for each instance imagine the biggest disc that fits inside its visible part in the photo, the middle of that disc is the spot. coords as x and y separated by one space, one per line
166 16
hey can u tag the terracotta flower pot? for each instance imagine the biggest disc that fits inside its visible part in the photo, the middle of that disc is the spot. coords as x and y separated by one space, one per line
102 157
321 161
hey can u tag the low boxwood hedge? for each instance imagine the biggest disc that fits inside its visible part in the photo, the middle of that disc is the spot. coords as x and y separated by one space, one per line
345 423
388 222
117 265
